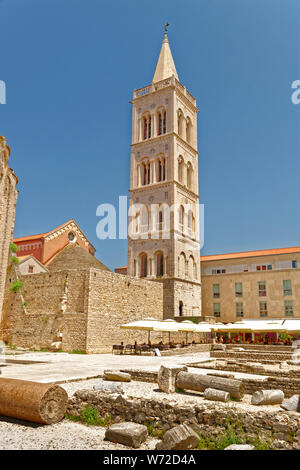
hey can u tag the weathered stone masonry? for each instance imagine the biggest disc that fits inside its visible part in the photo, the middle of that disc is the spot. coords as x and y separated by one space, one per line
85 306
8 201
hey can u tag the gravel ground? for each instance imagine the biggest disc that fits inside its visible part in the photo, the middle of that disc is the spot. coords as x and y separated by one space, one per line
66 435
71 435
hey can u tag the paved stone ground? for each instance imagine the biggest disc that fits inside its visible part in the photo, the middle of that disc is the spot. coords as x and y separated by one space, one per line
64 367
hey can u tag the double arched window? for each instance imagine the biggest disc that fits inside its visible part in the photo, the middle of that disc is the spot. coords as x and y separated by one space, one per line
180 169
161 169
146 172
189 176
180 119
162 121
181 218
188 130
159 262
146 126
143 265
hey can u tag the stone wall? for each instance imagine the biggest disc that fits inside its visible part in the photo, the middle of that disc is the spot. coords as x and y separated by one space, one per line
252 356
8 201
86 307
115 299
208 418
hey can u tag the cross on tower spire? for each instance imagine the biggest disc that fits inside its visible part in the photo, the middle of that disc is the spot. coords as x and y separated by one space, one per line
166 29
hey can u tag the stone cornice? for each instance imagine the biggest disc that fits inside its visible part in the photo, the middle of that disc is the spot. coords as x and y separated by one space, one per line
164 137
166 84
161 184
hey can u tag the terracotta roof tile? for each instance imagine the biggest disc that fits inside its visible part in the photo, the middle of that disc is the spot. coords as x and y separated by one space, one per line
252 254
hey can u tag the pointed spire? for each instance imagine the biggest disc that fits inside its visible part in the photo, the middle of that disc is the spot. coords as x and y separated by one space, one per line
165 67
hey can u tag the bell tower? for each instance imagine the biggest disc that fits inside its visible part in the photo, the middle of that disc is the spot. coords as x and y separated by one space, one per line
163 236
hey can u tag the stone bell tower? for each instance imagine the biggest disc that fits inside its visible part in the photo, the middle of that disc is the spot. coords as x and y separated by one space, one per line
163 240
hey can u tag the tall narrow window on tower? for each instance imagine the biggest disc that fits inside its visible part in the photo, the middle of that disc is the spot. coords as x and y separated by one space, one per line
159 264
162 121
188 130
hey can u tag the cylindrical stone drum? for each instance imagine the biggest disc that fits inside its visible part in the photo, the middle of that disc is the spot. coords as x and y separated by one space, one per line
32 401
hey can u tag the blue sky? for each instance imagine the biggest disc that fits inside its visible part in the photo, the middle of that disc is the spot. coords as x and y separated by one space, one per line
70 67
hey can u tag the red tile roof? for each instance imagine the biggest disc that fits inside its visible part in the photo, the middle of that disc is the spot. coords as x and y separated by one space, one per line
252 254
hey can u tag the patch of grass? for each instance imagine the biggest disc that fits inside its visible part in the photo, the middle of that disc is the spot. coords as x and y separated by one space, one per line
17 285
25 304
260 444
91 417
233 434
44 350
154 429
179 390
78 351
233 398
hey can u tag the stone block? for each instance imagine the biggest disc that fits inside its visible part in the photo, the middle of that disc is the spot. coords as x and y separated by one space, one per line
128 433
291 404
216 395
181 437
166 378
267 397
117 376
219 347
106 386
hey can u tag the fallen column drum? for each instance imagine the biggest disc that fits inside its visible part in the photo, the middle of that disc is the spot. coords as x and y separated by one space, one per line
32 401
200 382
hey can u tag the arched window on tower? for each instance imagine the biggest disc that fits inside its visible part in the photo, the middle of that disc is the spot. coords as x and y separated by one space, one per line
181 219
180 119
180 170
191 267
146 126
188 130
189 176
182 266
143 265
162 122
190 222
161 169
160 219
146 169
159 257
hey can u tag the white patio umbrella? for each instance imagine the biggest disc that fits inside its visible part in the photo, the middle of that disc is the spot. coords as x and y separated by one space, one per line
232 327
292 326
203 327
147 324
170 326
186 326
267 327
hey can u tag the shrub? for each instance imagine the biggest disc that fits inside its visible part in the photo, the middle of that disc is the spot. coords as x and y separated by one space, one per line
14 259
90 416
17 285
154 429
13 248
